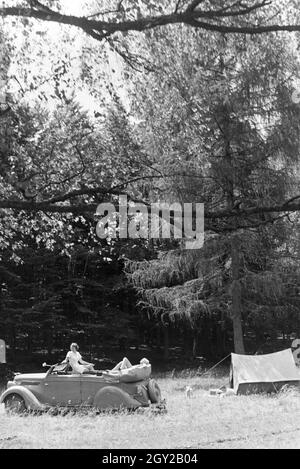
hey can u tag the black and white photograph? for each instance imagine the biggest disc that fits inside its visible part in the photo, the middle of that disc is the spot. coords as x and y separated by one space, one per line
149 228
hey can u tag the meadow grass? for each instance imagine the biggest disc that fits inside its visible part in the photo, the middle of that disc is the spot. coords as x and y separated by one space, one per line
204 421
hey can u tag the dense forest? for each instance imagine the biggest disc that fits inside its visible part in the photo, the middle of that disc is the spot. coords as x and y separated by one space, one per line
187 101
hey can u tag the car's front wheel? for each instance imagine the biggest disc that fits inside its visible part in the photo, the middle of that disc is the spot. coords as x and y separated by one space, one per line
14 404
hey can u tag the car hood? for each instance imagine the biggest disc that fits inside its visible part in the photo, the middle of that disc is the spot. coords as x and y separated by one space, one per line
29 377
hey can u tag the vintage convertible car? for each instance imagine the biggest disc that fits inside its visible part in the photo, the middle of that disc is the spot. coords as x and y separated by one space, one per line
60 388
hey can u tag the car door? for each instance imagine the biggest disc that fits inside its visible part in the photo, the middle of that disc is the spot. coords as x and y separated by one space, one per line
62 390
90 385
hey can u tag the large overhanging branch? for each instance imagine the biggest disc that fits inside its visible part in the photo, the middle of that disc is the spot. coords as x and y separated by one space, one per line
19 205
291 205
193 14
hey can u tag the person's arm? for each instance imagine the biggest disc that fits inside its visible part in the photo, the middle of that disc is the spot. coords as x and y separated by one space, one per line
82 362
66 360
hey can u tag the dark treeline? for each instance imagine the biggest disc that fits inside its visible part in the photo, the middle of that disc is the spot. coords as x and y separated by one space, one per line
51 300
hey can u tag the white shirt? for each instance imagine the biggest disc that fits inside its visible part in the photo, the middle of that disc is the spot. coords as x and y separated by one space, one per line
74 358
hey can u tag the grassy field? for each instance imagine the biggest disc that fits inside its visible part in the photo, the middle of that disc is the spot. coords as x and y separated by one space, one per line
204 421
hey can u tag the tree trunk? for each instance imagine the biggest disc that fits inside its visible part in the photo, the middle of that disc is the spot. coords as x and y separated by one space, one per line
13 340
195 344
166 343
231 182
236 297
204 348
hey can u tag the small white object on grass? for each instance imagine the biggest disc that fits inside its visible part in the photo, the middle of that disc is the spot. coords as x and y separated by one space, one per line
215 392
189 392
230 392
222 392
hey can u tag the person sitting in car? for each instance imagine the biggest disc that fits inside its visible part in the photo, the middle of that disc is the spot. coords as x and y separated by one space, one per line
78 365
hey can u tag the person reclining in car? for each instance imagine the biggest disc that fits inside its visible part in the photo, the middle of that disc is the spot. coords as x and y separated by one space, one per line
78 365
125 365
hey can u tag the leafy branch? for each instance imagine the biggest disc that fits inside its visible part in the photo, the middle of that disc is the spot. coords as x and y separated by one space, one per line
192 15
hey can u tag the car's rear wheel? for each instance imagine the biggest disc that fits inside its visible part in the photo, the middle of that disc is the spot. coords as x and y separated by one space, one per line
14 404
154 391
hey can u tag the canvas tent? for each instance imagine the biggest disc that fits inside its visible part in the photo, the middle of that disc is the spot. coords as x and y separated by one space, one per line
263 373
